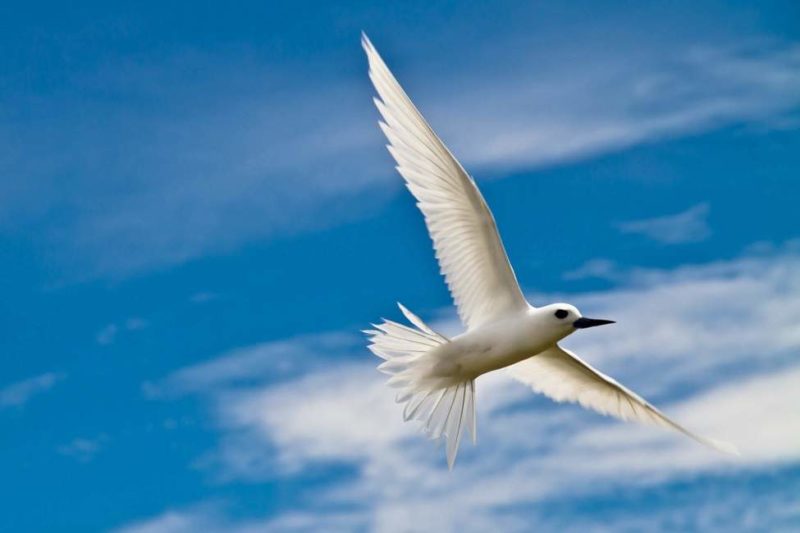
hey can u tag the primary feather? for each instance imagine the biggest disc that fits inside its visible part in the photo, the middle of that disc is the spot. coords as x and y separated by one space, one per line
468 247
564 377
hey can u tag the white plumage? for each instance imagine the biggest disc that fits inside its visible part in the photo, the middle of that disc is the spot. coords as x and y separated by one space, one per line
564 377
468 247
435 375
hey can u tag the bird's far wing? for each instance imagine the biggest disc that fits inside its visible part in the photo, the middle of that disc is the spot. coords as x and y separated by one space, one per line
564 377
468 247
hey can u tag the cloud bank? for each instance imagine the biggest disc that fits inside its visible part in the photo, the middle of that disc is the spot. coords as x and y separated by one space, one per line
714 345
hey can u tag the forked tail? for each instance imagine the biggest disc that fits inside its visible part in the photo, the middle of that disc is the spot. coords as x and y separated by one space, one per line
410 358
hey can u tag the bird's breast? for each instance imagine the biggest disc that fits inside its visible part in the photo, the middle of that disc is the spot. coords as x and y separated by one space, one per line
496 346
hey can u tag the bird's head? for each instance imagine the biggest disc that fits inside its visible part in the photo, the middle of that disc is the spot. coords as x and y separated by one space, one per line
567 318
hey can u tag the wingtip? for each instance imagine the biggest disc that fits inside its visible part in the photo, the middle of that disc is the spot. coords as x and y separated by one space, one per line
365 42
726 447
720 446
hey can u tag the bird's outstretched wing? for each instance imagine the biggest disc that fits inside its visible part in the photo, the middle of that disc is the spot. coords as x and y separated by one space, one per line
564 377
468 247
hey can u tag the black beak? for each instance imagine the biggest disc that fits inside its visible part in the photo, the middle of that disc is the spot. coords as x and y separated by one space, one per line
583 322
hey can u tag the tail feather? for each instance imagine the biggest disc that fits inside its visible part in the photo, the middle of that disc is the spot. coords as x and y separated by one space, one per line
414 319
443 407
471 418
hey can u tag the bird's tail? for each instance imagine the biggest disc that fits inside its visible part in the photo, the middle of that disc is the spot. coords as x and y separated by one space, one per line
410 357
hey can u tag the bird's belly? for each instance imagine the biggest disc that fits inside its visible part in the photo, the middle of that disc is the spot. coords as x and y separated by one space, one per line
475 355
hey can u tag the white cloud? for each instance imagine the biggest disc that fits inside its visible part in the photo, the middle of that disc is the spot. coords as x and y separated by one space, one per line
529 451
713 345
684 227
203 297
760 413
20 393
210 518
83 449
205 152
108 334
332 415
276 360
594 268
616 100
200 518
243 150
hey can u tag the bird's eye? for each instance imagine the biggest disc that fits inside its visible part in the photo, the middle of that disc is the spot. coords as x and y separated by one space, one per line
561 313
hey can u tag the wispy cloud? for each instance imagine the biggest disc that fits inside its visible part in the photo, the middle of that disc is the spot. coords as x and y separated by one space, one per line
230 162
108 334
83 449
617 100
724 366
20 393
196 165
203 297
211 518
198 518
684 227
594 268
270 361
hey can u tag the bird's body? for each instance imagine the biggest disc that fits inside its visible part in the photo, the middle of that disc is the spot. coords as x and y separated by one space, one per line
436 375
497 344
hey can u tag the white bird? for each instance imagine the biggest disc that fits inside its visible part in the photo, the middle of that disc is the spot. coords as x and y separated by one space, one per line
436 375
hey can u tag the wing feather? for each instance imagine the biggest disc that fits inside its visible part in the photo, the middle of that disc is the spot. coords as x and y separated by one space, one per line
469 250
564 377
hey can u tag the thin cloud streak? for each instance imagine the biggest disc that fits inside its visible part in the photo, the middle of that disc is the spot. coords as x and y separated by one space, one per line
83 449
210 518
621 100
20 393
688 226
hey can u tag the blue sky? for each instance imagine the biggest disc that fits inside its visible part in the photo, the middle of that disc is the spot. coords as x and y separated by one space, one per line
197 217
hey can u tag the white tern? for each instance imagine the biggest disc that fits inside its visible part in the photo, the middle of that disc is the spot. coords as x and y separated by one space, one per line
435 374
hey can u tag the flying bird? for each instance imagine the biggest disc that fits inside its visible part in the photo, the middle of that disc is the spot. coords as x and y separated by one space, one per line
436 375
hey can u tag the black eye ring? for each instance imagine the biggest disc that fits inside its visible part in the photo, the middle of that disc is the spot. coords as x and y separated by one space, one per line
561 313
